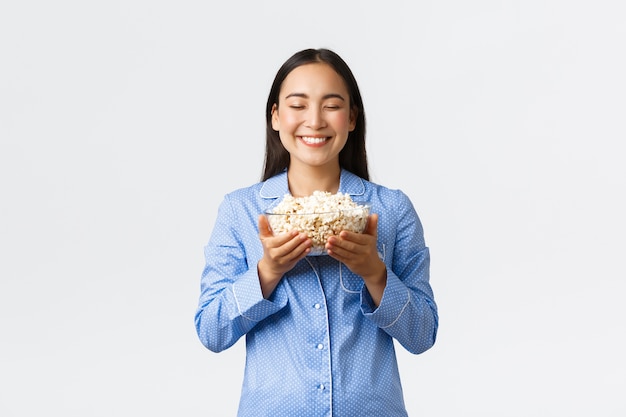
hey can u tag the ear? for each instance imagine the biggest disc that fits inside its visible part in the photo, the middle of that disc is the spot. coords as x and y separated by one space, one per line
354 112
275 121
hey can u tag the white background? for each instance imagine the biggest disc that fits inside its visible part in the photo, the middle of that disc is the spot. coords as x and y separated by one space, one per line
123 123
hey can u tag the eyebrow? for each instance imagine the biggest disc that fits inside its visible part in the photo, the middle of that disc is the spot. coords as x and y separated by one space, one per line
326 97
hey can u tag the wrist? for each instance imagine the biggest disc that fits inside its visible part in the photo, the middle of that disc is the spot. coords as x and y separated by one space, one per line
378 276
268 279
376 283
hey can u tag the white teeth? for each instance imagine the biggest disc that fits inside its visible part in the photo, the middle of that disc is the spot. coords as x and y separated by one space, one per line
313 140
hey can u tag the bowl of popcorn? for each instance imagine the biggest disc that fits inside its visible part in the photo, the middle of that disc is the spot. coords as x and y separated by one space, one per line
319 215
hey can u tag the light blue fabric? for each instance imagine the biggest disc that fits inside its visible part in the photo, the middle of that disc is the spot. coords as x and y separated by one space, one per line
317 346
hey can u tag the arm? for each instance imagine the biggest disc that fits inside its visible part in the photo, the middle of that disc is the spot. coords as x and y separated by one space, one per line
231 301
280 254
407 310
358 252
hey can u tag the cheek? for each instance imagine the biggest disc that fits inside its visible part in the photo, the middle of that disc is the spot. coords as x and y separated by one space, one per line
342 122
294 118
288 120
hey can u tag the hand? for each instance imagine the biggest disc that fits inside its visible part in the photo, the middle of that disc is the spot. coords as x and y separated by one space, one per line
280 254
359 253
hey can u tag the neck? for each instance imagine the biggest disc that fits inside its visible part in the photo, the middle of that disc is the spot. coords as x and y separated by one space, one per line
302 182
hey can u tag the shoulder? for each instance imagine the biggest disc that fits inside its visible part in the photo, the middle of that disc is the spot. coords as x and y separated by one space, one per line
366 190
387 195
242 200
244 193
257 197
393 205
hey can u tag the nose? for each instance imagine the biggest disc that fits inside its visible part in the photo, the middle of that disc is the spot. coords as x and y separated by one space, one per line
315 118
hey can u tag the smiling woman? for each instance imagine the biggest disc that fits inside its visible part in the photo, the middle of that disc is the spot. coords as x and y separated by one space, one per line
330 320
353 155
313 118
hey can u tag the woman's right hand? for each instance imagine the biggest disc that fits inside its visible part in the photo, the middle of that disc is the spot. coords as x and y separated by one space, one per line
280 254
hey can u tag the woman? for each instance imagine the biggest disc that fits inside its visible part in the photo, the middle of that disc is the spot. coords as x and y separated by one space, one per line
319 329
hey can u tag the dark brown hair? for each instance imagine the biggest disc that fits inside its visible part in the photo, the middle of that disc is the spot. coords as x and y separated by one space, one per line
353 156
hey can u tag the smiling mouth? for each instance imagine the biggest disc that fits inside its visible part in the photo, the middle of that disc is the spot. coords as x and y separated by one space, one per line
309 140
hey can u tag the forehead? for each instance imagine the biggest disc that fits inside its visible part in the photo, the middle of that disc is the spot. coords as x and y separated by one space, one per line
313 79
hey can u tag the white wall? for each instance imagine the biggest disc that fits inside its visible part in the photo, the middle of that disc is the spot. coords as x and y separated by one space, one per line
122 124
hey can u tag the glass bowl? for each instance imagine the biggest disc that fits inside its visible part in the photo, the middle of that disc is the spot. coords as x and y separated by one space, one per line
320 226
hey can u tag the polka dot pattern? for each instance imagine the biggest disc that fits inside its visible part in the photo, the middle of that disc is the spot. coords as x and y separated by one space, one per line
317 346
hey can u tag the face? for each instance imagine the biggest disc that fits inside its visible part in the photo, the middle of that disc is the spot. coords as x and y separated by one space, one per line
313 116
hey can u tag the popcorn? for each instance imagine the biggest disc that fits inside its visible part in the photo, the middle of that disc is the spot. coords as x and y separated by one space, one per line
319 215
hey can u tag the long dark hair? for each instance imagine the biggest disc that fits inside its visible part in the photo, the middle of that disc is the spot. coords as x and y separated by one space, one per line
353 156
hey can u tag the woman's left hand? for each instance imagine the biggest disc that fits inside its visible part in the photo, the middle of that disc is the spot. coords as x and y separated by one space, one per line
358 252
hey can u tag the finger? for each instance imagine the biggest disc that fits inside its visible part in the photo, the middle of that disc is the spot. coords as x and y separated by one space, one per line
264 227
372 225
337 252
295 244
265 231
343 246
284 243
